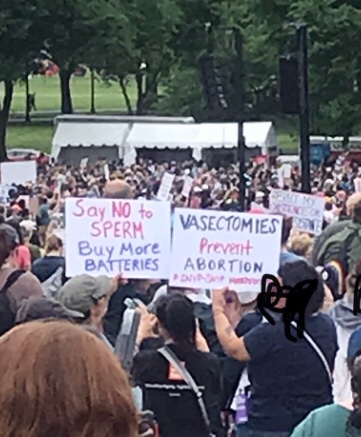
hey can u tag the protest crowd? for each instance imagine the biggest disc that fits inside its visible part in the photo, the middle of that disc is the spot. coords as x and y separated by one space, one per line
116 323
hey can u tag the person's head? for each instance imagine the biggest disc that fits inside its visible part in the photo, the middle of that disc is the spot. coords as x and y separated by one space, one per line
175 313
87 295
117 189
9 241
294 273
63 381
27 228
53 244
353 202
259 197
301 245
42 307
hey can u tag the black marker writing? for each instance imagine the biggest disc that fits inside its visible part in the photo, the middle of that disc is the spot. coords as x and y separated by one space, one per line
296 300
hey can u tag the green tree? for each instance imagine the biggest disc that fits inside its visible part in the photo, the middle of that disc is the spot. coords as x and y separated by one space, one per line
17 40
79 31
148 56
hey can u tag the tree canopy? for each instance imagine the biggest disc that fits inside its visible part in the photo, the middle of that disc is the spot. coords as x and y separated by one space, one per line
158 44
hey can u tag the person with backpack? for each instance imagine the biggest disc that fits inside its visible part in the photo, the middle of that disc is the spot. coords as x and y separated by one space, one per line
334 228
15 285
344 247
50 270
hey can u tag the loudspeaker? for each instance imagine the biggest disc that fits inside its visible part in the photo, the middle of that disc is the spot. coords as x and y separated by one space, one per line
213 87
289 84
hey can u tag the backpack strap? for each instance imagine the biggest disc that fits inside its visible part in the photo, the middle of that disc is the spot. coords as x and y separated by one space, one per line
12 278
172 358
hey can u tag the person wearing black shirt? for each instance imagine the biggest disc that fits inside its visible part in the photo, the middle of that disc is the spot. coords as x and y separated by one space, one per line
164 390
288 379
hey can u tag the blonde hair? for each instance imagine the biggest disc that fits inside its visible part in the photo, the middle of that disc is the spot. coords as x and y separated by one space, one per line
53 243
301 244
58 379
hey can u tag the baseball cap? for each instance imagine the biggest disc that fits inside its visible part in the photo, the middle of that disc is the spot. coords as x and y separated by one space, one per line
36 308
10 232
81 292
354 345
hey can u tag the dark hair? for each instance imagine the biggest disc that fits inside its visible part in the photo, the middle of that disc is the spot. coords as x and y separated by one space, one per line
16 225
287 224
6 247
176 314
354 420
295 272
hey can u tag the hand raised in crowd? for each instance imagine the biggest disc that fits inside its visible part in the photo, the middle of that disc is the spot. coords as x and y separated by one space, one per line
233 309
116 281
219 299
147 324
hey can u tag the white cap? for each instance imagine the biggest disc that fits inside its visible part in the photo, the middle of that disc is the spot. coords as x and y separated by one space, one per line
247 297
260 194
28 225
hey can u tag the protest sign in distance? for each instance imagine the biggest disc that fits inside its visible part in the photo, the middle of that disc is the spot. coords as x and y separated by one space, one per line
105 236
213 249
306 210
19 172
165 187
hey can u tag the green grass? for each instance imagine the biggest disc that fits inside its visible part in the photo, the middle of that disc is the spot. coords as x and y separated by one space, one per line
107 98
47 89
30 137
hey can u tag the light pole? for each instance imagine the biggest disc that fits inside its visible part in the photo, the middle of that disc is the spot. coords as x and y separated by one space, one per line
304 114
241 144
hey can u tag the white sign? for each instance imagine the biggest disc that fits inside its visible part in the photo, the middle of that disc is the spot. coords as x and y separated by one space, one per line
4 194
108 237
357 184
213 249
187 186
106 172
18 173
306 210
287 169
84 163
165 186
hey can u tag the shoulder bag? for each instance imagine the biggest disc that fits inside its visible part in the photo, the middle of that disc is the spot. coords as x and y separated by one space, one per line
174 361
318 351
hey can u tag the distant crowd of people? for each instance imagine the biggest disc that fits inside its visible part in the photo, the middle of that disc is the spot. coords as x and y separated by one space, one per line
205 362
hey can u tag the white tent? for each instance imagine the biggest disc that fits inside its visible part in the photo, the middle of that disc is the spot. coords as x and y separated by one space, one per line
94 136
114 138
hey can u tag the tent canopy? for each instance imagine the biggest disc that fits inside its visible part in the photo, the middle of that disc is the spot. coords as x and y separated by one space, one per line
106 132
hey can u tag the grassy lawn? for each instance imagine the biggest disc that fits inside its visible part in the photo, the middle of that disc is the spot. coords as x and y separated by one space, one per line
40 137
30 137
47 89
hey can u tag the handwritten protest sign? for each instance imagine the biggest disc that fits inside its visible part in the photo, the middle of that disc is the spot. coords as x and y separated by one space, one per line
214 249
105 236
306 210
